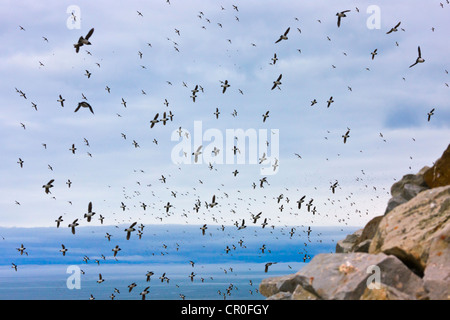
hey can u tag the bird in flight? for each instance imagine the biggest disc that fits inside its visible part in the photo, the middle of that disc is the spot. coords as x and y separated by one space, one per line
374 53
284 35
197 153
274 59
154 121
419 58
225 85
330 101
346 136
116 250
341 15
394 29
130 229
84 104
203 228
48 185
63 250
73 225
90 213
83 41
61 100
430 114
267 265
277 82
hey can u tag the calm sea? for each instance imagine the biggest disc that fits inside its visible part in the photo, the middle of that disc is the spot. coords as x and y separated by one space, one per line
44 273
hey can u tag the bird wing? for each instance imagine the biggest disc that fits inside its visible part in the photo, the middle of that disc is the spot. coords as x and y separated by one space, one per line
89 34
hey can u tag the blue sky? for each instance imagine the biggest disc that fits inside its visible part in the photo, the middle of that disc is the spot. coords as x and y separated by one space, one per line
390 98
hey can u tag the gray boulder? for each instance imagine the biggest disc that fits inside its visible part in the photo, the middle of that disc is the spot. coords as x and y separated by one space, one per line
437 272
345 276
346 245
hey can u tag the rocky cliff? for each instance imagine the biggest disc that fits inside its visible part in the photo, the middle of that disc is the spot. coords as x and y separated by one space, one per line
401 255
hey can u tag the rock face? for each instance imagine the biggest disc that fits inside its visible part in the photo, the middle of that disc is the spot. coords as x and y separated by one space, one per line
437 272
346 277
439 174
408 230
346 245
401 255
407 188
360 240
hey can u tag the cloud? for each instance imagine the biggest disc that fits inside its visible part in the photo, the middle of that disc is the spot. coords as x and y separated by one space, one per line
389 98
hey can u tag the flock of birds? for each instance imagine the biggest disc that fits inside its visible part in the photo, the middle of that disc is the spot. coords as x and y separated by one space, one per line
218 201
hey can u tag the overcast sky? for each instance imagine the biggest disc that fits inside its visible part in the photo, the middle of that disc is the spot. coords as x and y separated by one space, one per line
382 101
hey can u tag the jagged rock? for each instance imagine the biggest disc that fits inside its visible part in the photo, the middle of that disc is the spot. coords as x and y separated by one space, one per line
407 231
407 188
384 293
301 293
362 246
370 229
346 245
281 296
437 272
412 179
271 286
343 276
439 174
394 202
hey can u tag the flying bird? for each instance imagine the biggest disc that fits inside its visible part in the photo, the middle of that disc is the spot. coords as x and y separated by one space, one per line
394 29
267 265
83 41
197 153
341 15
73 225
330 101
284 35
346 136
61 100
48 185
277 82
130 229
374 53
154 121
90 213
430 114
225 85
84 104
63 250
419 58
